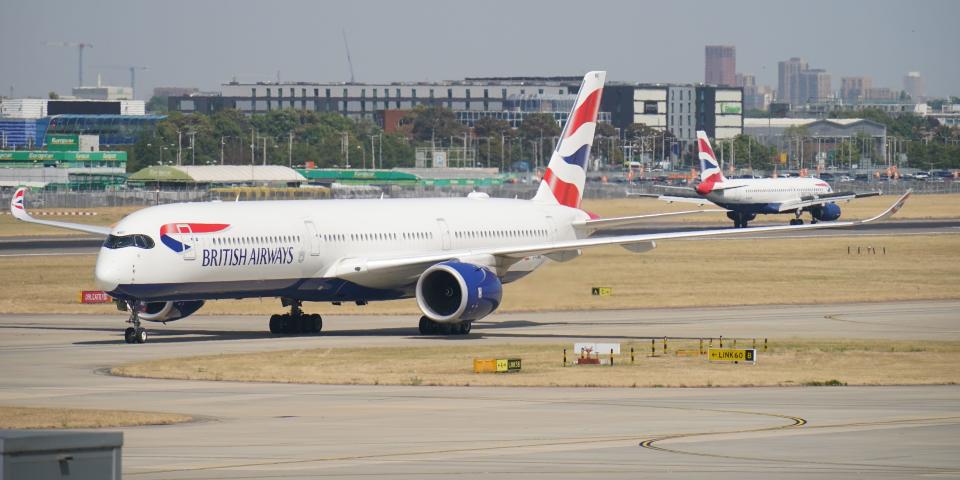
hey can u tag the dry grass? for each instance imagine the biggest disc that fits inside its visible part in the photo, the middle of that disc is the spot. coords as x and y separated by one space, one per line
940 206
32 418
794 362
736 272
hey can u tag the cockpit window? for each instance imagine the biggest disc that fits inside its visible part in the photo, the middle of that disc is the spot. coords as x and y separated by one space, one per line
123 241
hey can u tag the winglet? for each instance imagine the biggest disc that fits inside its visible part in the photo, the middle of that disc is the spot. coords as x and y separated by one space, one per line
890 211
17 207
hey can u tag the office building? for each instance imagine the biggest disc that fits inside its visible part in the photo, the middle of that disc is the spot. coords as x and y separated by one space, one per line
914 86
788 83
720 65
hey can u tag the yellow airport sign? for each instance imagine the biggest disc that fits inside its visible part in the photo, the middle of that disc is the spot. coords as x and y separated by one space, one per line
496 365
733 355
602 291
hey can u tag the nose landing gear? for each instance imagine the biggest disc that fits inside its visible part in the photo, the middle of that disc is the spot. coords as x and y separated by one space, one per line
136 333
296 321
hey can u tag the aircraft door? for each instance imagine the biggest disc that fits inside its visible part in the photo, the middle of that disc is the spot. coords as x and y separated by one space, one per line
187 241
314 237
444 233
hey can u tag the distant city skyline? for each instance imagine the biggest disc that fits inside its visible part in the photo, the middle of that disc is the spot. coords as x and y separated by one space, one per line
205 44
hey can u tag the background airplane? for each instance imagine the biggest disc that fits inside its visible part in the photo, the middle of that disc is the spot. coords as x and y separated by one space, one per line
744 199
453 255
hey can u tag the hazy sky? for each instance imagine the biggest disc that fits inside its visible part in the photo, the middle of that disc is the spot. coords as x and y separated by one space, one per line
204 43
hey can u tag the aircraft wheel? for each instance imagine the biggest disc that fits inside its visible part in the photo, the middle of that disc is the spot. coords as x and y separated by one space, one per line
316 323
128 335
140 335
465 328
275 324
426 326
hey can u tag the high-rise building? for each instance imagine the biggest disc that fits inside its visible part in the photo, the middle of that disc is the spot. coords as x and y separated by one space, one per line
755 97
814 86
913 84
854 89
789 80
720 65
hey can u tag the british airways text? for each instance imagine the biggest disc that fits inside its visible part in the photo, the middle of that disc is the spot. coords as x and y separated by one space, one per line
231 257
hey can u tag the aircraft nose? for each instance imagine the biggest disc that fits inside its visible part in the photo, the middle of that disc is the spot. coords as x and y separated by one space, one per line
106 274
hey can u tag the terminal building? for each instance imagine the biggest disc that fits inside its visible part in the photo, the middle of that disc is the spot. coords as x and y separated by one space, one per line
680 108
25 122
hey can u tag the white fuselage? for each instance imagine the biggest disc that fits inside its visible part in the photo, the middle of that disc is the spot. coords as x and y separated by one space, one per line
298 248
765 191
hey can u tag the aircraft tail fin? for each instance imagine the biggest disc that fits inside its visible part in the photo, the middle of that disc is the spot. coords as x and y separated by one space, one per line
710 171
566 174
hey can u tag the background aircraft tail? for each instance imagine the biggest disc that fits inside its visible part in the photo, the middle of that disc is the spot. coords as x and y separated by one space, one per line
567 171
710 172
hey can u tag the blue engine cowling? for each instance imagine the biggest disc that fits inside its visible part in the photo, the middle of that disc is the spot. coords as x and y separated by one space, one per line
826 213
746 217
169 311
453 292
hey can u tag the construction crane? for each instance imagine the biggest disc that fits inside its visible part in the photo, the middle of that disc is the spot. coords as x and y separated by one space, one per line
80 46
133 74
349 61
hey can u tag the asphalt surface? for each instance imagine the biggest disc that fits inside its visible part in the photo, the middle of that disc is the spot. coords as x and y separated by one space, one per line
79 245
259 430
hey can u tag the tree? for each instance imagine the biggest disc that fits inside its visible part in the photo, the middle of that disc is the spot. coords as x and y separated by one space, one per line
435 123
157 104
53 95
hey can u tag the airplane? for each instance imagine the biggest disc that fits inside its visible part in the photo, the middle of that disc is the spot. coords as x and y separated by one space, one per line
744 199
163 262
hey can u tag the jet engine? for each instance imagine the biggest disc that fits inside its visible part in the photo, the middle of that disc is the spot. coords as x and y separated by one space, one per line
453 292
826 213
169 311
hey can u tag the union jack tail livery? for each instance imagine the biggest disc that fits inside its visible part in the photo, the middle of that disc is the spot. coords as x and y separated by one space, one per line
567 171
710 172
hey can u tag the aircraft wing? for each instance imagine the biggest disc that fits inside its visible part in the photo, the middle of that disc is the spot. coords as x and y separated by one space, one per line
614 222
506 256
19 211
833 197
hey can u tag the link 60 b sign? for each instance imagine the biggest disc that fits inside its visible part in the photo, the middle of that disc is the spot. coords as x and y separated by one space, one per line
733 355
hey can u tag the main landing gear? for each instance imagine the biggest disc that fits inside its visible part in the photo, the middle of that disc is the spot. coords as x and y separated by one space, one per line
296 321
136 333
430 327
798 220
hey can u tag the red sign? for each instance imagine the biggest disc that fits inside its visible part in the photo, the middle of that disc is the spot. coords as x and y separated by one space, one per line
94 296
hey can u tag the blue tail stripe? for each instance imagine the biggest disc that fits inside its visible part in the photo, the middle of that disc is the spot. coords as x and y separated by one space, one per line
579 158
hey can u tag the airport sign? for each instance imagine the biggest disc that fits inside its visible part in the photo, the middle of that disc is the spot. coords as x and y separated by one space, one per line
732 355
602 291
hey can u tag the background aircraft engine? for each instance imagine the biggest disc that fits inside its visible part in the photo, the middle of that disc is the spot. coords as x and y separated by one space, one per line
827 213
453 292
169 311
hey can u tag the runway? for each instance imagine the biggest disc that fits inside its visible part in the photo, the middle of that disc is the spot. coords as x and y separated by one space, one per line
82 245
255 430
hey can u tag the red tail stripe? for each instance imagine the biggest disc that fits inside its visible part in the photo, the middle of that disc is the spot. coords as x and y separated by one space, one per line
566 193
585 113
705 147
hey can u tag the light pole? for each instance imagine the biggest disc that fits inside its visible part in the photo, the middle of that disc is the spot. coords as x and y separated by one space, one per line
290 149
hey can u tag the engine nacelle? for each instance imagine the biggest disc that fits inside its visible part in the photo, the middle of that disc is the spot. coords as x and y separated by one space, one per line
453 292
169 311
826 213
